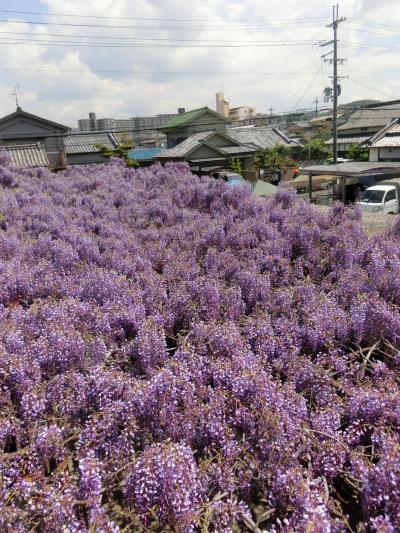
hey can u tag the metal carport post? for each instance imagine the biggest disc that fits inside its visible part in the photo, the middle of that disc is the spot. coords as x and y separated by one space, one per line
344 191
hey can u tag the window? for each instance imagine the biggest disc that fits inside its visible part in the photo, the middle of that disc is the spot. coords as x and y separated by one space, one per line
390 195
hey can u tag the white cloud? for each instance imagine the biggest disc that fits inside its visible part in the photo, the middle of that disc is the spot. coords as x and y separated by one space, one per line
67 96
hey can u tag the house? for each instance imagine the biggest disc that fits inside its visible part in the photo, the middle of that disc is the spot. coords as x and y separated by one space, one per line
83 148
34 141
186 124
364 123
385 145
209 151
22 128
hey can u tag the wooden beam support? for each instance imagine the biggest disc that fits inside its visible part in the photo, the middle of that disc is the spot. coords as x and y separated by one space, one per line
344 191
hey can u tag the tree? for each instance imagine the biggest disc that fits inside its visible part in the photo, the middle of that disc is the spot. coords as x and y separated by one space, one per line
315 149
236 165
358 153
271 159
121 150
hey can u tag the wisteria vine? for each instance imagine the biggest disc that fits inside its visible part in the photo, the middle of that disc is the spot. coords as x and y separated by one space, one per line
177 355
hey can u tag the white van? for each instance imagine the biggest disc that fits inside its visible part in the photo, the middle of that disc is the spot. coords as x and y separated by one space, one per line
384 197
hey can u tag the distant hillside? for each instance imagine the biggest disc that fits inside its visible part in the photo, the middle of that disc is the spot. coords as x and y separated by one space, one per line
348 109
356 104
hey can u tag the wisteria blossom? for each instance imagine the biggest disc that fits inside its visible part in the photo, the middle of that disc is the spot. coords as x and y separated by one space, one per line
178 355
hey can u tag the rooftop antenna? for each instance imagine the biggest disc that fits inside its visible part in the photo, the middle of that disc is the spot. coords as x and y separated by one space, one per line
17 95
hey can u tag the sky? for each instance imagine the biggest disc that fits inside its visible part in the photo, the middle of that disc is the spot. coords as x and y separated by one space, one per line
124 58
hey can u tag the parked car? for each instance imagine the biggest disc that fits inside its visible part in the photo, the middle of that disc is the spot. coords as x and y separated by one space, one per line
384 197
234 179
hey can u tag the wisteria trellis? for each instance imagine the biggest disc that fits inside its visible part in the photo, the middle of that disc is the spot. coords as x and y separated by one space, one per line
176 355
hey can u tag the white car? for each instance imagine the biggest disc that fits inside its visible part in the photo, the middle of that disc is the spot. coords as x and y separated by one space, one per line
382 198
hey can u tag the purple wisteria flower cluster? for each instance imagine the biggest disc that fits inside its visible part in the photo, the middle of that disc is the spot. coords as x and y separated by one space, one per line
177 355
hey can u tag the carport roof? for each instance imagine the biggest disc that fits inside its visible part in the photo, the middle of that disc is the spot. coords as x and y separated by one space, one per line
354 168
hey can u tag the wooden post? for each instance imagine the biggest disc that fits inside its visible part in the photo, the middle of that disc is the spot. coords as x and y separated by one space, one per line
344 189
310 186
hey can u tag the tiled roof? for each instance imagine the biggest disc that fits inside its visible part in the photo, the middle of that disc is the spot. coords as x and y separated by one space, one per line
181 149
27 155
184 118
86 144
357 139
245 148
387 137
392 141
371 117
248 139
259 137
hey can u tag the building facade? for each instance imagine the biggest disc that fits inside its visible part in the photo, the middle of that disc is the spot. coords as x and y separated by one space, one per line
183 126
221 105
150 123
244 112
365 123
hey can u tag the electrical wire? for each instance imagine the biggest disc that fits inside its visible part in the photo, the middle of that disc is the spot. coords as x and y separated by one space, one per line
42 13
74 36
159 28
39 42
190 73
309 86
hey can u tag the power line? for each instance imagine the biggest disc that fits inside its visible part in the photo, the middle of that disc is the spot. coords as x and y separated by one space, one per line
371 31
160 28
39 42
308 87
182 72
42 13
74 36
373 24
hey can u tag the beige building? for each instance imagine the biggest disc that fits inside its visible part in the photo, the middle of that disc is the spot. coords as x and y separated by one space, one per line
222 106
241 113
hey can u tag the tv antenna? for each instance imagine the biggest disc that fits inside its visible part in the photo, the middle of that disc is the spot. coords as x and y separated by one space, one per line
17 95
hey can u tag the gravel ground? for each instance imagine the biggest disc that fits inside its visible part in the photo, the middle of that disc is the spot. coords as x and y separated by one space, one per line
373 223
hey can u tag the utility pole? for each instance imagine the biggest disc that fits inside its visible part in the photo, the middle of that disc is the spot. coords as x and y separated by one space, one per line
334 61
271 110
316 106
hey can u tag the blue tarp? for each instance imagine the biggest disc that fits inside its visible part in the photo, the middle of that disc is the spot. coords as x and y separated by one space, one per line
143 154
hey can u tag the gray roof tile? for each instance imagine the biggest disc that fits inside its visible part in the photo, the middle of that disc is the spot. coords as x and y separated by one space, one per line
181 149
392 141
86 144
372 117
259 137
249 139
387 137
27 155
357 139
245 148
